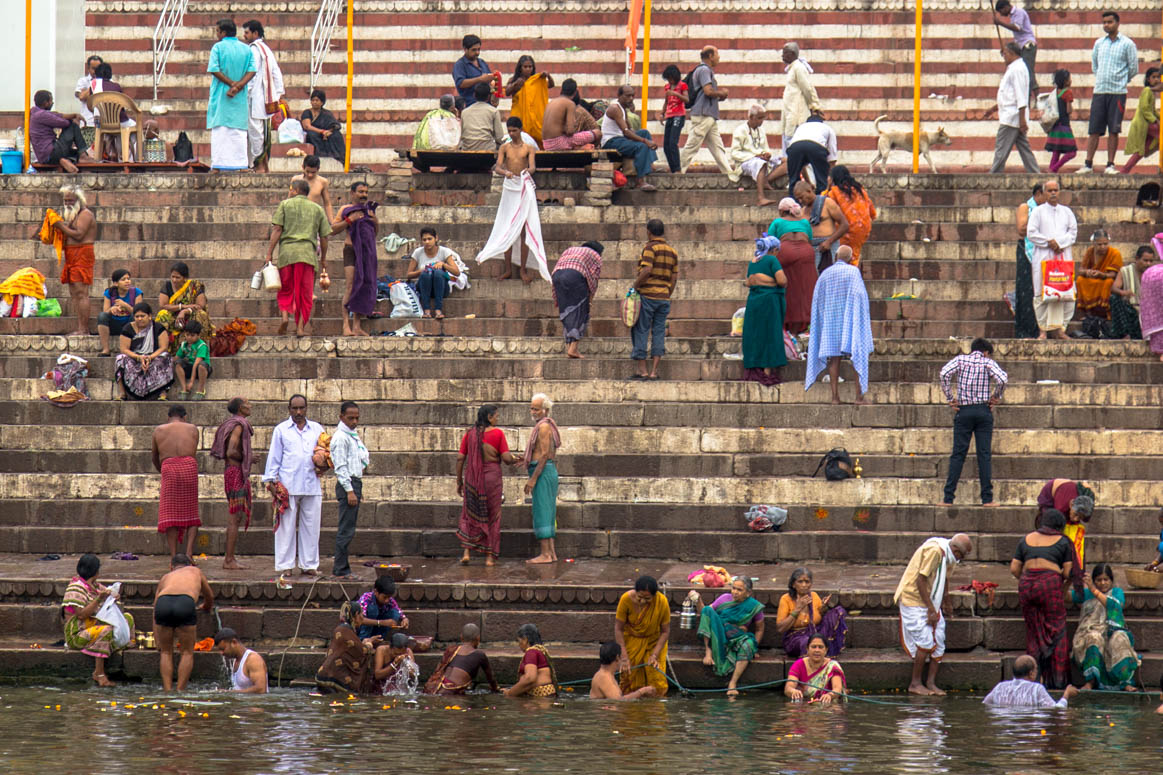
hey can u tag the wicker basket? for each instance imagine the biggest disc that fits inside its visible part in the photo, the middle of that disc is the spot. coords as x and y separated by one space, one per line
1144 579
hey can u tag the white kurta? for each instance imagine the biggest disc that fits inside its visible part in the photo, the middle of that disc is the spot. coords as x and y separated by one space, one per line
799 98
1051 222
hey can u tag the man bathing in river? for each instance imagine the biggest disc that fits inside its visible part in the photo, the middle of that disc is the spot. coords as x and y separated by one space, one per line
175 615
458 668
604 684
249 674
174 446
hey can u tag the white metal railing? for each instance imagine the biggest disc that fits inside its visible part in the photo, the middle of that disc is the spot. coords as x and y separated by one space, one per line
164 35
325 24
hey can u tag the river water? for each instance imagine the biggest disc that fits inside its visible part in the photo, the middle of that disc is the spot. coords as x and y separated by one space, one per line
66 728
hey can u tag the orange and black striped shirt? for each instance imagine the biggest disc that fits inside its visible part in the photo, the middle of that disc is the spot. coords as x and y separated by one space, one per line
662 261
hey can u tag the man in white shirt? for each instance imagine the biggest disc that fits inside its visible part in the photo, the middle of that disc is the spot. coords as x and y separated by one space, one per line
290 464
812 146
266 87
1012 109
82 90
1024 691
1052 230
350 458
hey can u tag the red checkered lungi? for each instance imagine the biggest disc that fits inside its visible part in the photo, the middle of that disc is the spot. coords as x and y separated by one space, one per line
178 504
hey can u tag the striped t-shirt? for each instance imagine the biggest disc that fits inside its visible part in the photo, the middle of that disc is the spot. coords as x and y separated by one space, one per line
662 261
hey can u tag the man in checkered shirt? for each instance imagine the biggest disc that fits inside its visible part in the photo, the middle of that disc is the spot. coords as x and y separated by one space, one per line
974 406
1114 61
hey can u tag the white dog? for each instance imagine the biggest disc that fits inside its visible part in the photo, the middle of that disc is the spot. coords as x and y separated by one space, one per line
886 142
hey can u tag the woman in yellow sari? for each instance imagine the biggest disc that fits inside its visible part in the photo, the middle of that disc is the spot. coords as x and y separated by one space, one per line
642 628
182 299
1100 266
530 92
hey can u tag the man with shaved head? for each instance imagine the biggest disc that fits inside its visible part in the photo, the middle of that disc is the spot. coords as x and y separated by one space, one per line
459 665
1024 690
923 598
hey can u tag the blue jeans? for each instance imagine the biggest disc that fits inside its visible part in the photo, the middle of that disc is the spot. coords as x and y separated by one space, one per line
673 129
642 154
432 284
652 323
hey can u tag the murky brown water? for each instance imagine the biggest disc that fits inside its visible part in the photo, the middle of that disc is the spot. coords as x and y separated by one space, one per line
290 731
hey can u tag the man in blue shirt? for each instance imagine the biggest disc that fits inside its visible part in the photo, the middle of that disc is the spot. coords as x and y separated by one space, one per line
228 110
470 69
1114 61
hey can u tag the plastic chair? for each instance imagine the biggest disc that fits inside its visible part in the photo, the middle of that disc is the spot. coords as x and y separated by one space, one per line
108 106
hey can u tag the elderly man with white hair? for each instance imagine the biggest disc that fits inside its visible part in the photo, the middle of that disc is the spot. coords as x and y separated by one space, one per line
752 156
799 96
541 489
78 231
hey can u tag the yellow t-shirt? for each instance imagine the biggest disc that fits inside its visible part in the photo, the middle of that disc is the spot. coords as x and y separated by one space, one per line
925 563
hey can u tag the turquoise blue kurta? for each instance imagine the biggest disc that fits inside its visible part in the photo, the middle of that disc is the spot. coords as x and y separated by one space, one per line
232 58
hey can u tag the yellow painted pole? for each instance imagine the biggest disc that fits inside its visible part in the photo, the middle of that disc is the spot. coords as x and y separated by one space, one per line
917 93
645 62
350 75
27 81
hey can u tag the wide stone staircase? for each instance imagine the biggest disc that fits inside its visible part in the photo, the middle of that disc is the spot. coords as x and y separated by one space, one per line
404 53
655 476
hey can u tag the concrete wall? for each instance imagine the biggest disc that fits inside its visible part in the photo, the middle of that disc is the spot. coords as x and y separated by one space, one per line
58 43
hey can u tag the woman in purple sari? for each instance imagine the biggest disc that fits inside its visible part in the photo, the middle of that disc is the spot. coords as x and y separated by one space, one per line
802 614
479 482
1151 302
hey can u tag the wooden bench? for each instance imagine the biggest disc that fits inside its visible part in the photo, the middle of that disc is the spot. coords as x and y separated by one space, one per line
124 167
483 161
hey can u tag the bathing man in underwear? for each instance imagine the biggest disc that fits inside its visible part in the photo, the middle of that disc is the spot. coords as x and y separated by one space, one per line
175 614
175 445
604 684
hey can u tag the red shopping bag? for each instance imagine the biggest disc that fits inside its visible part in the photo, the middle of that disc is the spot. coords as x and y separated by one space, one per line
1058 279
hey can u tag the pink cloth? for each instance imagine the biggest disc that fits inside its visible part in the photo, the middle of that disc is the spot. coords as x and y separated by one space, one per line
298 292
569 142
1151 306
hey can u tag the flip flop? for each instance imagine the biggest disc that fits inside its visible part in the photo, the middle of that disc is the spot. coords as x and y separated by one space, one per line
49 557
639 377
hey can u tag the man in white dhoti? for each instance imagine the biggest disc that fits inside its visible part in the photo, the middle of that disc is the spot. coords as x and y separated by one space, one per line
228 111
753 157
923 598
1052 230
264 90
517 214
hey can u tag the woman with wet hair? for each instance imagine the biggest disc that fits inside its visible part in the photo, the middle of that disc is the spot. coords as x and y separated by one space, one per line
536 676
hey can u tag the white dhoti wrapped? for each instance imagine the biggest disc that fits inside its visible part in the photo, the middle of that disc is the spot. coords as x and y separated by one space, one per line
256 135
228 149
753 166
917 633
1052 314
517 214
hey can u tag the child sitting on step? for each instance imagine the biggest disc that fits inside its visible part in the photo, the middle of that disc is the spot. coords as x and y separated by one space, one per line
192 366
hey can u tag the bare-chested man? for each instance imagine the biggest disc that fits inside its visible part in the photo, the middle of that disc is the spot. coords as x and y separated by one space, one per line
79 226
604 684
517 217
232 446
828 221
540 461
175 615
174 446
320 192
348 216
559 127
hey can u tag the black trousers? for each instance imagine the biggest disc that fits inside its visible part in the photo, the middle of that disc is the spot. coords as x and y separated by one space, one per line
70 144
975 420
348 515
800 155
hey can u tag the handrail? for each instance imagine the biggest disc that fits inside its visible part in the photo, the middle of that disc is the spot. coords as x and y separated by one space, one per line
321 35
164 35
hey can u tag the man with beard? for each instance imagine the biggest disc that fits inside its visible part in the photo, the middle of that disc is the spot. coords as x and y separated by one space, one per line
78 229
232 446
358 219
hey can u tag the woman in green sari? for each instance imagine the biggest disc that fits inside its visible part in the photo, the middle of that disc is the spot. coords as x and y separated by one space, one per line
1104 649
731 628
763 348
181 300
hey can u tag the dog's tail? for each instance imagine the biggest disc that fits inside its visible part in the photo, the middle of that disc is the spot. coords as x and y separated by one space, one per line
876 123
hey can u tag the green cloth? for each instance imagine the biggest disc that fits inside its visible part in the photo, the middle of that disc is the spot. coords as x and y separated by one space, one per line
420 138
724 630
1104 648
1145 116
763 321
189 354
232 58
303 222
782 226
545 501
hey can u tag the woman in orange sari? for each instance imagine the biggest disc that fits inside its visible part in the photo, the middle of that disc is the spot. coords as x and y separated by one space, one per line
856 206
530 92
642 629
1100 266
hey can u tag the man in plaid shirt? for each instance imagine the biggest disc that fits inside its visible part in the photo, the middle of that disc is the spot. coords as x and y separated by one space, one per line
1114 61
974 405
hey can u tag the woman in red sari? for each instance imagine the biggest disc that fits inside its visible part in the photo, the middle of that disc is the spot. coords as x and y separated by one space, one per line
478 481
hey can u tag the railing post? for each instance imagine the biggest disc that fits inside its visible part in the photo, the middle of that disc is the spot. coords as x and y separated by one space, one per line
645 61
917 92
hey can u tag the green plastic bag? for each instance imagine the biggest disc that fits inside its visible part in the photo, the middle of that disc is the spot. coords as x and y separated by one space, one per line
48 308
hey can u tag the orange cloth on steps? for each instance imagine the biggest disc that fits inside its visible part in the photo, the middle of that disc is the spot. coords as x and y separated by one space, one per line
50 236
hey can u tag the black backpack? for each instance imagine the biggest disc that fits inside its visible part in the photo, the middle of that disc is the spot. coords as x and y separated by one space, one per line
183 148
837 465
692 92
